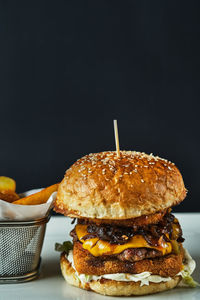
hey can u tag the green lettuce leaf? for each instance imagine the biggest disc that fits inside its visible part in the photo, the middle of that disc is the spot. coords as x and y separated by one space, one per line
65 247
87 277
187 279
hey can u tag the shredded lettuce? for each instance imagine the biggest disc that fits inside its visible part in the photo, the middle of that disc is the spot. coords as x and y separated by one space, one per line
88 277
188 280
65 247
77 277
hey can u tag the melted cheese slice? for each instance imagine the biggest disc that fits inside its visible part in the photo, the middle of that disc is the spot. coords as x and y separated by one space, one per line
99 247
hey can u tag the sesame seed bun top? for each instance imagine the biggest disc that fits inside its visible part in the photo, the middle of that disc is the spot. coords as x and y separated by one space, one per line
103 186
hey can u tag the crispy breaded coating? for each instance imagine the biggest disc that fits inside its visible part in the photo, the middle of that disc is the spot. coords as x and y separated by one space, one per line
112 287
168 265
139 221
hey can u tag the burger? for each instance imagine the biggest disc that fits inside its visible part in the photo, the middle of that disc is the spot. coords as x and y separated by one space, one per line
126 241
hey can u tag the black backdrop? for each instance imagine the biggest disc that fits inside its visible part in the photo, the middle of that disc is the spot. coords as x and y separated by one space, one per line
67 68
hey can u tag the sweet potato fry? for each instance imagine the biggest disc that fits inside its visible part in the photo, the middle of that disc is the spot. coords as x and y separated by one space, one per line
8 196
38 198
7 184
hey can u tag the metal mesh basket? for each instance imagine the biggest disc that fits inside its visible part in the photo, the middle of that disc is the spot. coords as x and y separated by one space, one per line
20 248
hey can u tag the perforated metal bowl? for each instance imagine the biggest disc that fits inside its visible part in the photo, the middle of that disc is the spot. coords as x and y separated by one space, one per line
20 247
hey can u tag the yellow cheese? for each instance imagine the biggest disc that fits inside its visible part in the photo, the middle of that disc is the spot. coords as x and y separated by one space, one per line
99 247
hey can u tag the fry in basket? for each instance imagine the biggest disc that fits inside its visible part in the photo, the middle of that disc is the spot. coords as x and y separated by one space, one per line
8 196
38 198
7 184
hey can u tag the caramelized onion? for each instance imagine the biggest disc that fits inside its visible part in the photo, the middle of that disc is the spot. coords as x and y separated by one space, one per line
167 229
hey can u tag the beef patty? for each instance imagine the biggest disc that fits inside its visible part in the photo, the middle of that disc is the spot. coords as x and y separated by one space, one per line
136 254
131 254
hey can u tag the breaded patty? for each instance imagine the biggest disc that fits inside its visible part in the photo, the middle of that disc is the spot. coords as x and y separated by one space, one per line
85 263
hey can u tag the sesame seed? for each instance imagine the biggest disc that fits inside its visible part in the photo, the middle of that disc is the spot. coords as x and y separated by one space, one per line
131 161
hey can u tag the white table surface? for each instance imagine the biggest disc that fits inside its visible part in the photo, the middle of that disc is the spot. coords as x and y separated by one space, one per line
51 285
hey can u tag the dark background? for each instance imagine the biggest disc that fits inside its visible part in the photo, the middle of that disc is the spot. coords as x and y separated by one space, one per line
68 68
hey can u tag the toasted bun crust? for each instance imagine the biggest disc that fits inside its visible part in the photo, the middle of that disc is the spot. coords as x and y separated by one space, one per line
104 186
115 288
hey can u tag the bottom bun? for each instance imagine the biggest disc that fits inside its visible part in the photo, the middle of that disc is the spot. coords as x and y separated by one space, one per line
112 287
